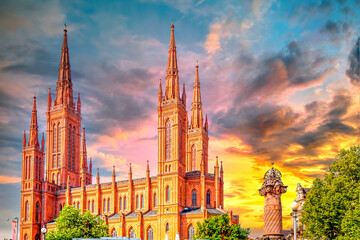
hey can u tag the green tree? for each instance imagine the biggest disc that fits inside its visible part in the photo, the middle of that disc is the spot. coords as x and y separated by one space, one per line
218 228
71 223
332 207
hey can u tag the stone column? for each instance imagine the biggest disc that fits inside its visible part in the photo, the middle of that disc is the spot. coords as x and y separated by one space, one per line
271 189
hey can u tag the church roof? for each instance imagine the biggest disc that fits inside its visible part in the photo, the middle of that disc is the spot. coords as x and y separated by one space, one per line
214 211
132 215
151 213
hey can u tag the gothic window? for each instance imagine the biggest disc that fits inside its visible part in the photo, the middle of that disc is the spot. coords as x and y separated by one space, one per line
131 233
27 206
142 201
78 205
37 212
137 202
121 203
58 179
29 168
114 233
26 237
73 150
180 152
125 203
69 148
60 207
168 194
89 205
54 161
53 178
166 168
168 139
169 168
104 205
150 233
167 227
58 137
155 200
54 139
193 158
39 169
109 205
36 168
93 206
208 197
191 232
26 165
194 198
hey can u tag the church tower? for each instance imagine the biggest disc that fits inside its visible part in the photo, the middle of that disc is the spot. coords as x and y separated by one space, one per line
31 180
198 140
172 133
64 129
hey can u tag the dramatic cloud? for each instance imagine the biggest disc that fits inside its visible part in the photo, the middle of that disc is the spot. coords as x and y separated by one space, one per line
353 71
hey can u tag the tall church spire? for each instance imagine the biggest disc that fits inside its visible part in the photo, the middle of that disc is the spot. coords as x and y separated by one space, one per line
196 106
172 78
33 139
64 93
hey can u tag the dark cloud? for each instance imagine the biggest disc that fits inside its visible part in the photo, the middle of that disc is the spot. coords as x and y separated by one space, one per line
293 67
353 71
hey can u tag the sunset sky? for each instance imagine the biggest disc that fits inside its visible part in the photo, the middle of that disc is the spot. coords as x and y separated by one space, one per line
279 83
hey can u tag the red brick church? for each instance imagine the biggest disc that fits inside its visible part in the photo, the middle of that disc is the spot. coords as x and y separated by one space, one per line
182 193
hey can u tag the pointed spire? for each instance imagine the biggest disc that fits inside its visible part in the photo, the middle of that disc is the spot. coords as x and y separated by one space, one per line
24 140
147 170
206 124
130 173
183 97
43 142
160 95
33 139
221 172
172 78
83 152
196 106
113 176
49 100
64 94
216 168
79 104
97 177
90 166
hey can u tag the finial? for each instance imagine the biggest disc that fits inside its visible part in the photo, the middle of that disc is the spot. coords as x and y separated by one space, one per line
197 62
65 25
172 21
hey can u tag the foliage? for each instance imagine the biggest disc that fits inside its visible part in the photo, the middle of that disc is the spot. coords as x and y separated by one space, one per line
218 228
71 223
332 207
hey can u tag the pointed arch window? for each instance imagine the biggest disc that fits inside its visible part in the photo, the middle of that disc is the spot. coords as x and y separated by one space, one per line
191 232
109 205
37 212
142 201
131 233
36 167
58 137
89 205
27 206
93 206
155 200
150 233
180 142
78 205
73 150
69 147
208 197
54 138
104 207
167 227
194 198
137 202
58 179
121 204
193 158
60 207
26 237
125 203
114 233
39 169
168 139
29 169
168 194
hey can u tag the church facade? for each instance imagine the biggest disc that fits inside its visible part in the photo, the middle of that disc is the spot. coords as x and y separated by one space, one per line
182 193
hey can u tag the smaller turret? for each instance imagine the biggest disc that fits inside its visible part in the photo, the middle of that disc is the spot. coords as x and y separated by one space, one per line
97 178
183 98
206 127
24 140
147 171
113 176
43 143
130 174
221 172
160 95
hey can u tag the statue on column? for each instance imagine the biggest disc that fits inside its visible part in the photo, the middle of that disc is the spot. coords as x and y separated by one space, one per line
271 189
